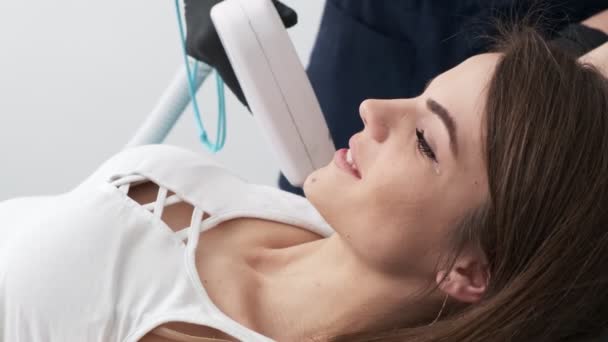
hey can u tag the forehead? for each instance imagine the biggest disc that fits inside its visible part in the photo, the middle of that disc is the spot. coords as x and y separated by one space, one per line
463 87
462 90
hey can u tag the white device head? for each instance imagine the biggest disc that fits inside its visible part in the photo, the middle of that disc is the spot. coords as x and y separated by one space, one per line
275 84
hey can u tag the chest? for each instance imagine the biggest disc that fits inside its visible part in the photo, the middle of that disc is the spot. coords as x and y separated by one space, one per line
220 256
230 238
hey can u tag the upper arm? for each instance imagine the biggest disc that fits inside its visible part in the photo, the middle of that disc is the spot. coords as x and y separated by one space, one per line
598 21
598 57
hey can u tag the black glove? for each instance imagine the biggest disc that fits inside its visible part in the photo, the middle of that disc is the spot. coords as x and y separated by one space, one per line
203 43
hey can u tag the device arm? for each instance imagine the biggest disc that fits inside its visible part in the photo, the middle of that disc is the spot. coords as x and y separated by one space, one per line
203 42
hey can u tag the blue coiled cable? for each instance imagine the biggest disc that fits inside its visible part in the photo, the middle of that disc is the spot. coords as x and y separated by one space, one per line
220 138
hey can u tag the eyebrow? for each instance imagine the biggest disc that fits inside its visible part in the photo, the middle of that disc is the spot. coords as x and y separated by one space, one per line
447 120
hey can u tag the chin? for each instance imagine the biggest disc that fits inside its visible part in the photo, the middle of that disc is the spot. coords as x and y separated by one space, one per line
311 182
323 188
318 186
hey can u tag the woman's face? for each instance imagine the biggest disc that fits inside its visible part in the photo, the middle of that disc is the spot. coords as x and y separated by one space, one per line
420 169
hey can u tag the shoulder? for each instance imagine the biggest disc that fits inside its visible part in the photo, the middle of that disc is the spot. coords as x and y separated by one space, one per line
160 154
163 152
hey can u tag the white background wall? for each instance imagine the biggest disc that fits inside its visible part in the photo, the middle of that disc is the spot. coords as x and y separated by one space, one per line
78 77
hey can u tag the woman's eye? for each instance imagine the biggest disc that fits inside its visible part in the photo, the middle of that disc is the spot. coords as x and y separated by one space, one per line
424 147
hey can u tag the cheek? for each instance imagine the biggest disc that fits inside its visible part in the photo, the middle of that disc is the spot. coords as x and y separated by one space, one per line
465 191
412 200
406 183
399 248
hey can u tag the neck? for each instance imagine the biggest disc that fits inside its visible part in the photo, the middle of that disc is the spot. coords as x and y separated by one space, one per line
321 288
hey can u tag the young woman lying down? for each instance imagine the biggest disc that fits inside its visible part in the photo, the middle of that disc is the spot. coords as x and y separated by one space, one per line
477 211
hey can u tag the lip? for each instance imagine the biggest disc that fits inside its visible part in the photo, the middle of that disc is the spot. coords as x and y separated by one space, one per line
353 153
341 163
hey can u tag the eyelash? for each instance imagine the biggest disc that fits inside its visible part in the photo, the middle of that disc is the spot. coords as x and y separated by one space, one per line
424 147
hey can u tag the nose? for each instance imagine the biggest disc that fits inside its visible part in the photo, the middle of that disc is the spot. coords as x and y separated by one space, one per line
375 119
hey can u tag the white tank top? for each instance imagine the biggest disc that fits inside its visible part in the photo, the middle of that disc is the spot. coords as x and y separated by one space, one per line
94 265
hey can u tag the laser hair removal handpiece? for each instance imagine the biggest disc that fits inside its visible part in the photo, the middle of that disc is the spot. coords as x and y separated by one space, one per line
275 85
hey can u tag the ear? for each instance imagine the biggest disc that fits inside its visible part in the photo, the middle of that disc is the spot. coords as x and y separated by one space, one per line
468 280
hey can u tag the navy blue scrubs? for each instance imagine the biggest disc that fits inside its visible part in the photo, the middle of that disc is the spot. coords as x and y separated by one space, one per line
390 48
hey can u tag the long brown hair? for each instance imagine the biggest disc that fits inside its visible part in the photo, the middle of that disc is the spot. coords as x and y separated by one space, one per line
544 228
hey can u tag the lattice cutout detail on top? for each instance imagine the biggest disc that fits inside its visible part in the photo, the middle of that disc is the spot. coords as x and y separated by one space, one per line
175 212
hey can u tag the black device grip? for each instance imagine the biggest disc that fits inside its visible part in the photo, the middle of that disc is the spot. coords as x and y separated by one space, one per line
204 44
